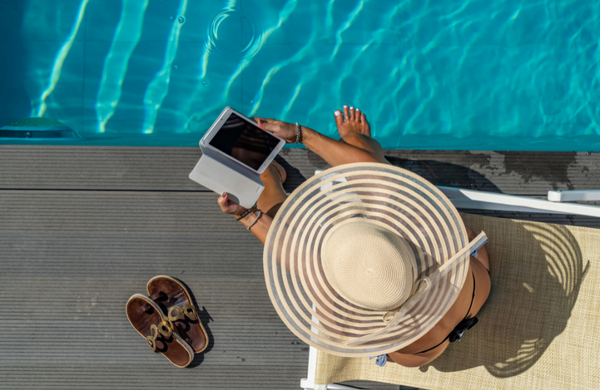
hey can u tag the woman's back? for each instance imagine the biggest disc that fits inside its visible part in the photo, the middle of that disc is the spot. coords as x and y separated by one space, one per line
470 300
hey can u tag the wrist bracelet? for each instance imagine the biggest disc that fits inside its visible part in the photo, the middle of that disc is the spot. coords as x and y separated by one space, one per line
298 133
252 224
245 213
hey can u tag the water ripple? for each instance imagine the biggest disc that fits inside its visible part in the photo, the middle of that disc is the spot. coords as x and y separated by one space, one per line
234 34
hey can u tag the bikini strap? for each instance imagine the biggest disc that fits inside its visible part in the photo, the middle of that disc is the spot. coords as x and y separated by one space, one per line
462 326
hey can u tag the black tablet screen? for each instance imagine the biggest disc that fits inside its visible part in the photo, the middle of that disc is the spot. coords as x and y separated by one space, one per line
244 141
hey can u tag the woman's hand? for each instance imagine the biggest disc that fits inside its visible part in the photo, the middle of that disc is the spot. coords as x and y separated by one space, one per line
284 130
230 207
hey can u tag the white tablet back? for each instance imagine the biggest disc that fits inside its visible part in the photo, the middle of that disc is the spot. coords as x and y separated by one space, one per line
220 175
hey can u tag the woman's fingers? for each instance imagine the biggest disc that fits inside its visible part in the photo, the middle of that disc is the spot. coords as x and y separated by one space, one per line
281 129
223 201
266 124
262 122
229 206
284 130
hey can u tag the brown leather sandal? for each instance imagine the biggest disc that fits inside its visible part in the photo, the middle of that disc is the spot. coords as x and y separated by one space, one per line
147 318
174 299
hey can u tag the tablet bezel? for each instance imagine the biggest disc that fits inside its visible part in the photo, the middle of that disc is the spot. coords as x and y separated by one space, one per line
218 124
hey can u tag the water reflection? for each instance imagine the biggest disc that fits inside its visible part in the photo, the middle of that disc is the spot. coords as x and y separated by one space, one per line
454 74
126 38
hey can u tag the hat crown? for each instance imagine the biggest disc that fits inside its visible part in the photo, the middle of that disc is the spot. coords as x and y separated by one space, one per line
369 265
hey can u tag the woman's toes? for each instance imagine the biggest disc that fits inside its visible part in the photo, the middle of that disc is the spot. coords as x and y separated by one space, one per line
346 113
357 115
365 124
339 118
352 114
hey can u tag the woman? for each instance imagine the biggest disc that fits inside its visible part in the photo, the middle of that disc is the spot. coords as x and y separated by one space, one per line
356 145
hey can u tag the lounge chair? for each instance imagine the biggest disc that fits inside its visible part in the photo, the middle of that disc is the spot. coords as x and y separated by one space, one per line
539 328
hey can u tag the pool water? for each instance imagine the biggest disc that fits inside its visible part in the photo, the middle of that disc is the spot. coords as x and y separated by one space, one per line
475 74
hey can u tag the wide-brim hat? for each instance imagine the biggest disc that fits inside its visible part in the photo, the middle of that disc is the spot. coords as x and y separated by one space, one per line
365 201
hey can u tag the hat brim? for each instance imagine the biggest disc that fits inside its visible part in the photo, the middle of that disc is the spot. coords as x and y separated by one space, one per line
388 196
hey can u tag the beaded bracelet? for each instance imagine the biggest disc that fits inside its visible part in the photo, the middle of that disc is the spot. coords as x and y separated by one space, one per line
298 133
252 224
245 213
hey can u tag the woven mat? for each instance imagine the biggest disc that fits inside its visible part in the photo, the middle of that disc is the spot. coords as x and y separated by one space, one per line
539 329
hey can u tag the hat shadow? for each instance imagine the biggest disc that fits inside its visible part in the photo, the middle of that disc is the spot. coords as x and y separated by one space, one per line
535 284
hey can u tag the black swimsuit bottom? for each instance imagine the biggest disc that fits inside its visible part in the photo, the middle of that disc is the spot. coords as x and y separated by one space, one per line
462 326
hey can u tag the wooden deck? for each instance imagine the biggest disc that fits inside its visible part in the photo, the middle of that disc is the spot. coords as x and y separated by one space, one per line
84 228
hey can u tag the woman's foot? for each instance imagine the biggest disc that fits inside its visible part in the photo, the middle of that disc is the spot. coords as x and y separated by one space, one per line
280 171
355 130
352 121
273 195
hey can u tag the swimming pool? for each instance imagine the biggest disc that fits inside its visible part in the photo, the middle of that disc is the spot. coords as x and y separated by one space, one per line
476 74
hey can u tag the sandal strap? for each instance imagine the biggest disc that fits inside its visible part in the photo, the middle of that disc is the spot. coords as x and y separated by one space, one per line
167 325
165 328
188 310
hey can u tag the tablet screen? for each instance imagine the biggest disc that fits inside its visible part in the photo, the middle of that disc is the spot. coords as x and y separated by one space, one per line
244 141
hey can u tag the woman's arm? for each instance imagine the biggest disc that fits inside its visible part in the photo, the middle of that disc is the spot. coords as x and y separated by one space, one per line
333 151
259 229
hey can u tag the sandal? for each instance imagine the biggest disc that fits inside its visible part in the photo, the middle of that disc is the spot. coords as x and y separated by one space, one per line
171 296
147 319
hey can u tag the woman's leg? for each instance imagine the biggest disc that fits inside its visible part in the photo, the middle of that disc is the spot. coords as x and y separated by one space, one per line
273 195
355 130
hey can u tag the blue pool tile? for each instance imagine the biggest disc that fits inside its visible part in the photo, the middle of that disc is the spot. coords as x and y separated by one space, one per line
578 70
481 22
579 88
498 89
47 20
64 96
102 19
183 100
579 21
121 80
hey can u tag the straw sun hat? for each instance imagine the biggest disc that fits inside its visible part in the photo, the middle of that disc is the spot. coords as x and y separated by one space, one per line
363 259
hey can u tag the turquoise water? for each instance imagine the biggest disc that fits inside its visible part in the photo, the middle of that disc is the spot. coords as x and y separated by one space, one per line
477 74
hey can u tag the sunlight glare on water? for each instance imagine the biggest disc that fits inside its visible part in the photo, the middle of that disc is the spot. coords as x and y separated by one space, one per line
475 74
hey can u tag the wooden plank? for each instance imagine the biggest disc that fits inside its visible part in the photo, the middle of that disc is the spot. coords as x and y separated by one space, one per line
166 169
97 168
109 375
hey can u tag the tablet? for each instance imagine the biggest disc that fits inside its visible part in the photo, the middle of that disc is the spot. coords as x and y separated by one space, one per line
240 139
